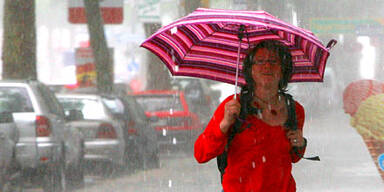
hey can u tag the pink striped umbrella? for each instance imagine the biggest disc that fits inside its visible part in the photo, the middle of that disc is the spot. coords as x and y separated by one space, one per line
206 44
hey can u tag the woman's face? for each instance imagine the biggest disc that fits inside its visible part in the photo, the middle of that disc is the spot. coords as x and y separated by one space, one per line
266 68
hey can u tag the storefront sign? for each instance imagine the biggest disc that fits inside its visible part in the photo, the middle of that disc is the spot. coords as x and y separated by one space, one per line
111 11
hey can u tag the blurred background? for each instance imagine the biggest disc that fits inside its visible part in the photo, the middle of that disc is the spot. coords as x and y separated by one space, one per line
59 55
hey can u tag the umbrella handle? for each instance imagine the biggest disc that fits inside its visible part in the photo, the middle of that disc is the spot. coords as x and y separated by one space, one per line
240 35
237 69
331 44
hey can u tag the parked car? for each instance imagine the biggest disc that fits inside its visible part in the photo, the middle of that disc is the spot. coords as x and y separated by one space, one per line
48 150
176 124
142 149
103 135
201 98
10 175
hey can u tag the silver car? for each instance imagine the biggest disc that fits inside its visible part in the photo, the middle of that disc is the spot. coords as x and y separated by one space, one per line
9 170
103 135
47 148
141 149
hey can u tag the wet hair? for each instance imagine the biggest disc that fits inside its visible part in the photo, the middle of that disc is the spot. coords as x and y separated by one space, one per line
285 58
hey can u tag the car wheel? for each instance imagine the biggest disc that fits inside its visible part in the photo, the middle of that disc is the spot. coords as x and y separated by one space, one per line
75 173
16 184
13 183
135 158
75 177
55 180
110 170
154 160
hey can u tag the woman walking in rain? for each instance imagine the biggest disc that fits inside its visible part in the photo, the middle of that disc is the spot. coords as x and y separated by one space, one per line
261 152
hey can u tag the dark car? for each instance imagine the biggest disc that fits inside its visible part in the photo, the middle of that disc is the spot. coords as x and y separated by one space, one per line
142 150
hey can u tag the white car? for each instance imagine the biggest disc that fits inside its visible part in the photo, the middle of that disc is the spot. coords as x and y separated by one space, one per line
103 135
9 171
47 147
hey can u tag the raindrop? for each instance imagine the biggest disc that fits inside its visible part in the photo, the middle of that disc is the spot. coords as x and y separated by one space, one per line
174 30
253 164
254 140
264 159
164 132
145 177
173 58
269 106
260 115
171 111
169 183
174 141
240 179
176 68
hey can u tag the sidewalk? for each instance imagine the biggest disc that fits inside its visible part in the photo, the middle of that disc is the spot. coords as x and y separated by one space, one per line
346 164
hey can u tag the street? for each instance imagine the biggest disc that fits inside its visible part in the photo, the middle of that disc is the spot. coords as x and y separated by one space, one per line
345 165
179 172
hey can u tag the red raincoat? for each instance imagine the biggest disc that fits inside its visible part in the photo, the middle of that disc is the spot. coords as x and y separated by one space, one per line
259 158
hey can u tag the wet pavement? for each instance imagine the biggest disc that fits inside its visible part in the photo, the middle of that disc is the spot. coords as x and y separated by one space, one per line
178 172
345 165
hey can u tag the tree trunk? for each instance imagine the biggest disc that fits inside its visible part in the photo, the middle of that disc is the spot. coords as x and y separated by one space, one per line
191 5
104 69
158 74
19 43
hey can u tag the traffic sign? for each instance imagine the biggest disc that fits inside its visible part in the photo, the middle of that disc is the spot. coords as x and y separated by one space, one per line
111 11
359 26
148 11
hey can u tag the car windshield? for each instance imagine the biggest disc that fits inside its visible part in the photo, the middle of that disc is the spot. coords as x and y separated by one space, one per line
92 109
14 99
134 107
160 103
114 105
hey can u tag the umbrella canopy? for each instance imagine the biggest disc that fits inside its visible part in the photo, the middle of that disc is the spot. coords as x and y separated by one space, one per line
205 44
358 91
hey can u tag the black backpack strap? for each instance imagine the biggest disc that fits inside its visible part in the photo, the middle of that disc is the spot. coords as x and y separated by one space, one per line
292 124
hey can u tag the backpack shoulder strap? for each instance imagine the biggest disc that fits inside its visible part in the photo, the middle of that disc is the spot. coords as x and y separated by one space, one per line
291 123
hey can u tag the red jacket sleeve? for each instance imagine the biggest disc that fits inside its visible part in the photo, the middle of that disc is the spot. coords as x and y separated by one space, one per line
300 115
212 141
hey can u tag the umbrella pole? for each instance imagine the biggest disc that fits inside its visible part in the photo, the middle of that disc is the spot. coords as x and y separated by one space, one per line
237 69
240 35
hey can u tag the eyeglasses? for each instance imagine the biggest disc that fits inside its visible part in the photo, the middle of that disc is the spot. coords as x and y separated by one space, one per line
270 61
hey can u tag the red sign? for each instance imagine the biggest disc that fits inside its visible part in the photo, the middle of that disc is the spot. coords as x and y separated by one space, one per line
111 11
85 66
